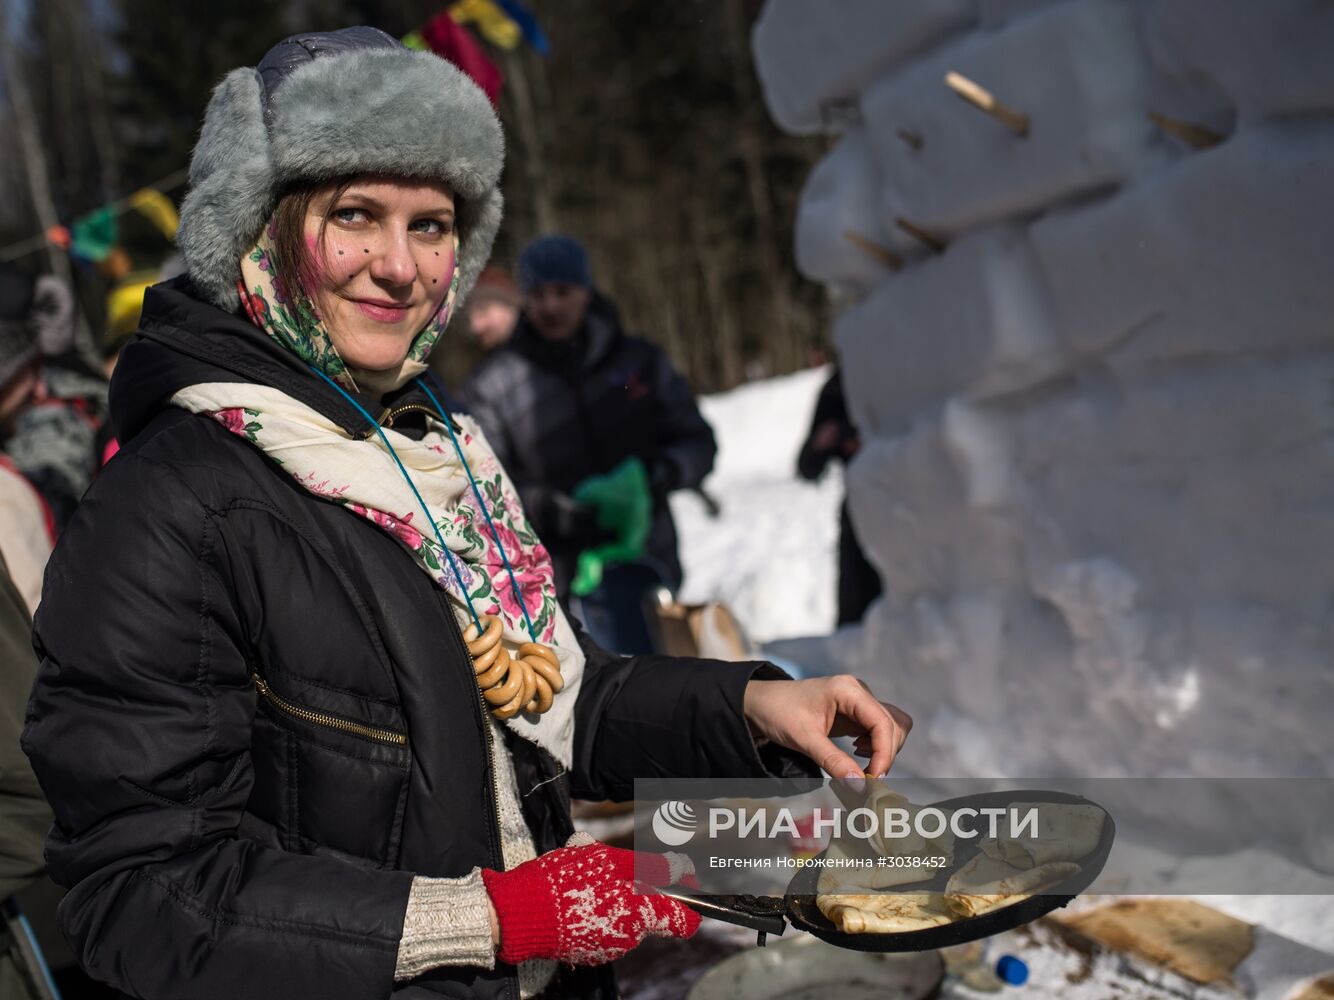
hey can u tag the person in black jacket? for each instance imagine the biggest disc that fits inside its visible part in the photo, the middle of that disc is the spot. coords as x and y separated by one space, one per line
833 438
24 816
572 396
309 715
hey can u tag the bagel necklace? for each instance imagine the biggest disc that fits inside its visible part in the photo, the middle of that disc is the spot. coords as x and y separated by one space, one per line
528 682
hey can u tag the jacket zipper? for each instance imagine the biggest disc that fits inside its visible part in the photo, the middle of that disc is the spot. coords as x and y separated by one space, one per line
328 721
392 413
490 739
493 830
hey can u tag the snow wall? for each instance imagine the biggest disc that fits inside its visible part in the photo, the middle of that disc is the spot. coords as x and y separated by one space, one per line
1090 346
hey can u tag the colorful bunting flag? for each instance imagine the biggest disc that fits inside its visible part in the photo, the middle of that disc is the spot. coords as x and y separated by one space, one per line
527 22
495 25
115 265
448 39
125 303
158 209
93 237
95 234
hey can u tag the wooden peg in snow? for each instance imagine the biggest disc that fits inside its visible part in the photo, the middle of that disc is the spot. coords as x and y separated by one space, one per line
984 100
1194 136
881 254
936 244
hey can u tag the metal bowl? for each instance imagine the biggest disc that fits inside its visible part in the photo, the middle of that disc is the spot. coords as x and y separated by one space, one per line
806 968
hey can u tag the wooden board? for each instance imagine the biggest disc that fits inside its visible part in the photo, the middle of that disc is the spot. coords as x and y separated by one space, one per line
1193 940
1317 989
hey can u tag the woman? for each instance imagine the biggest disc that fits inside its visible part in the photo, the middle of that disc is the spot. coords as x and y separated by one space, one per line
277 770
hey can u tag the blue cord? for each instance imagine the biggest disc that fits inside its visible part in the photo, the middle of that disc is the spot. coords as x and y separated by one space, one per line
453 564
43 968
518 593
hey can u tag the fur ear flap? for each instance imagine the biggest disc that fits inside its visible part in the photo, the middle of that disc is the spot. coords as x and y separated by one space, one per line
479 221
232 187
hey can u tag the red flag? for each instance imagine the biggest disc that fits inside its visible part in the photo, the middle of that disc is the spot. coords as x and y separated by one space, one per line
448 39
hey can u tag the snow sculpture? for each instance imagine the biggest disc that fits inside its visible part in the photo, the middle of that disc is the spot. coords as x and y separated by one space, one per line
1094 371
1082 87
813 59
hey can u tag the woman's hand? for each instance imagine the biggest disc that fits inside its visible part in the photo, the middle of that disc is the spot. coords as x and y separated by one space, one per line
803 715
587 903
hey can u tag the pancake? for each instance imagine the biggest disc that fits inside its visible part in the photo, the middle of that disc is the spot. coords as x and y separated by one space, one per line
884 913
839 878
1065 832
985 884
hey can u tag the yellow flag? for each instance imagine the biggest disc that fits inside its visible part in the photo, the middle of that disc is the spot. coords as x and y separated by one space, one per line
124 304
157 208
494 24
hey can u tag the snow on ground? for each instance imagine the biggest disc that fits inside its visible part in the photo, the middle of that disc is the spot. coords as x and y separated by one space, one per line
770 553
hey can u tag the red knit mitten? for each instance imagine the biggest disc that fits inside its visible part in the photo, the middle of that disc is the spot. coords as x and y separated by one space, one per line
581 904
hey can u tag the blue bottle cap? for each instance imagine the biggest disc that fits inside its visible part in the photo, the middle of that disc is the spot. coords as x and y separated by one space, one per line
1012 970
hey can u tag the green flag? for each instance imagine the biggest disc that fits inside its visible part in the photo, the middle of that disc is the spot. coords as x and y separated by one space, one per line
95 235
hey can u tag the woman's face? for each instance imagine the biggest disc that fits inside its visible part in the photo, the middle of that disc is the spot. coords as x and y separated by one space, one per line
384 268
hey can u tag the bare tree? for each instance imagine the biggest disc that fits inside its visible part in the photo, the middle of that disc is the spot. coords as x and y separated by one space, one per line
30 147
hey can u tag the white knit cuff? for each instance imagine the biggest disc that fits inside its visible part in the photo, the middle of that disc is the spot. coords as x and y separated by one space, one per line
678 866
448 923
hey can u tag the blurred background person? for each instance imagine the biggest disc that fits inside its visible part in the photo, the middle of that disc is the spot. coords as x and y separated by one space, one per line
24 814
487 324
35 324
56 403
596 426
493 309
833 438
31 314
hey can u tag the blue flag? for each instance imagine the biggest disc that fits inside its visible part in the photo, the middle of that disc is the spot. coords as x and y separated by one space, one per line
527 22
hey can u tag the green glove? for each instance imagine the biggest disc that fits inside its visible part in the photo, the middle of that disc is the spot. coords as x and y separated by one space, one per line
624 506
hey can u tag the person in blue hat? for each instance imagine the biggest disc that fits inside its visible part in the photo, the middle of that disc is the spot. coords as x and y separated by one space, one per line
574 406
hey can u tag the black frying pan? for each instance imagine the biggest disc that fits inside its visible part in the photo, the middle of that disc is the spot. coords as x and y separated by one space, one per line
770 914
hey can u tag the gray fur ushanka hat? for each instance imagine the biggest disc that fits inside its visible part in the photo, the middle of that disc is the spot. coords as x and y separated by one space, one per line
334 104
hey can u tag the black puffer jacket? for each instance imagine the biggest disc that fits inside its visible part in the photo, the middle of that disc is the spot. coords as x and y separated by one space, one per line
220 843
559 413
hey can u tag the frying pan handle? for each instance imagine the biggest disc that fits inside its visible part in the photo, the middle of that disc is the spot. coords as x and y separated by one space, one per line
730 912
